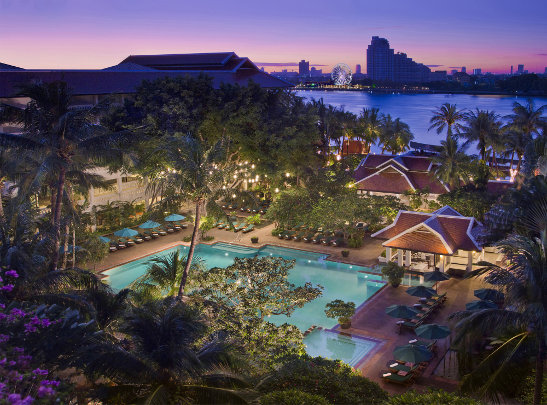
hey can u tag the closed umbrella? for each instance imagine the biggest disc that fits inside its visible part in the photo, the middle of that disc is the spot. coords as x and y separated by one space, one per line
480 304
421 291
412 353
174 217
126 233
432 331
104 239
401 311
489 294
149 225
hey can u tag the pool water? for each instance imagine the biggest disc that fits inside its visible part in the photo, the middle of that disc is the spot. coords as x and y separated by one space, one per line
334 345
339 280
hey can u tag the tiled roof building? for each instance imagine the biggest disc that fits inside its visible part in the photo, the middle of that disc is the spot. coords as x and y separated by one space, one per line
396 174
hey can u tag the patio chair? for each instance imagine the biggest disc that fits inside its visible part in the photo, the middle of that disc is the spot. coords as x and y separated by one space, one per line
318 238
240 227
406 379
248 228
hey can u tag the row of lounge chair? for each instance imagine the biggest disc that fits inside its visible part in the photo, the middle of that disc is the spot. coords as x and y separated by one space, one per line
399 372
313 235
234 225
259 208
426 308
145 236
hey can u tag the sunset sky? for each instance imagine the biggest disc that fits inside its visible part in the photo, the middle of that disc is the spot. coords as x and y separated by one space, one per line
76 34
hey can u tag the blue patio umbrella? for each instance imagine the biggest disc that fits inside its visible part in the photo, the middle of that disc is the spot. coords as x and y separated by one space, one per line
401 311
126 233
489 294
480 304
149 225
432 331
421 291
174 217
412 353
104 239
436 276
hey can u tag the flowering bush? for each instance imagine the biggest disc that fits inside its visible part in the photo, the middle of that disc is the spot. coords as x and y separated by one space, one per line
22 382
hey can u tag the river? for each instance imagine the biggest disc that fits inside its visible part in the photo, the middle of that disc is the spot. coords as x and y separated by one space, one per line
415 109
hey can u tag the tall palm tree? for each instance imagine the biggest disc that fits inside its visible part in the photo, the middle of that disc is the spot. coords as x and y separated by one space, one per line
452 162
447 116
66 140
395 136
162 357
370 126
481 126
524 318
199 173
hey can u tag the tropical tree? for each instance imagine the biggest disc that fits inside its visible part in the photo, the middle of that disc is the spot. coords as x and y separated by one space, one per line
395 136
523 321
452 163
68 143
163 359
449 117
369 126
195 172
481 126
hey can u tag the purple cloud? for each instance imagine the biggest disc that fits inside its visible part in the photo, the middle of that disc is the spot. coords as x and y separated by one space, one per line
434 65
283 64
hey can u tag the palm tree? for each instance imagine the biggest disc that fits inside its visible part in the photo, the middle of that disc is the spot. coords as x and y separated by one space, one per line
162 357
482 126
447 116
68 143
199 173
163 276
395 136
452 162
523 320
370 126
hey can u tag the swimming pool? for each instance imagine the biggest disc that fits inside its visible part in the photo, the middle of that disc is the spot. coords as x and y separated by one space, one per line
340 281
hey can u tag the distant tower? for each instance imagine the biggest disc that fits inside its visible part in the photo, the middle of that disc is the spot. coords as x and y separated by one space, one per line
464 69
304 68
477 72
511 70
357 69
520 69
379 60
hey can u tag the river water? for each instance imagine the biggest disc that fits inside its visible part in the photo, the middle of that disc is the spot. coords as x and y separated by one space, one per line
415 109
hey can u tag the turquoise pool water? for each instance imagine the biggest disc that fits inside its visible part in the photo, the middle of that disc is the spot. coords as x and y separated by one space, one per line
333 345
340 281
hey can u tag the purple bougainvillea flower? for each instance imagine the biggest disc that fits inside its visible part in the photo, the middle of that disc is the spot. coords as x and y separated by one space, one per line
11 273
3 338
7 287
39 371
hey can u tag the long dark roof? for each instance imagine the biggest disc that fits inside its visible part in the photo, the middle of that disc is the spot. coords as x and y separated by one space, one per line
125 77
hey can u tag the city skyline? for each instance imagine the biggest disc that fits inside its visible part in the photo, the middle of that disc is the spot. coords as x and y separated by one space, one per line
489 36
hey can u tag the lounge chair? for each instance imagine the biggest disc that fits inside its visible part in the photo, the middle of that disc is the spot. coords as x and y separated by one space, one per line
298 237
222 225
327 241
244 209
395 366
399 379
112 248
121 243
337 242
248 228
429 345
162 232
282 234
318 238
289 235
138 239
308 237
240 227
169 229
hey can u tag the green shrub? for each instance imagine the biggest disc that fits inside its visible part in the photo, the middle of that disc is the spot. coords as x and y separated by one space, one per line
277 231
254 219
394 273
254 239
333 380
527 389
345 253
439 397
187 239
355 241
207 238
292 397
341 310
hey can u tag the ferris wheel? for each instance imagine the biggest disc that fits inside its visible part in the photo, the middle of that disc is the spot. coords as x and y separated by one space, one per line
341 74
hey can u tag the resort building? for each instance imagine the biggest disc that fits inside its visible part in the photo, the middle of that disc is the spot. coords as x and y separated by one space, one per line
396 175
443 239
119 82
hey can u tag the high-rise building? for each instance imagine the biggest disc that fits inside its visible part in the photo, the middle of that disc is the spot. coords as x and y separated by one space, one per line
304 68
520 69
464 69
316 72
383 64
477 71
453 71
511 70
357 69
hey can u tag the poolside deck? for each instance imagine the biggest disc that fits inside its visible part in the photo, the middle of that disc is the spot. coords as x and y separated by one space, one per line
365 256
